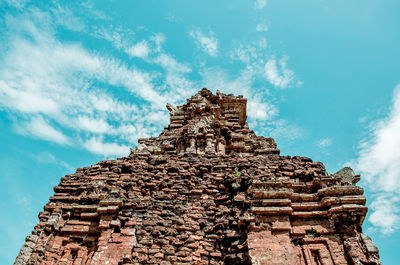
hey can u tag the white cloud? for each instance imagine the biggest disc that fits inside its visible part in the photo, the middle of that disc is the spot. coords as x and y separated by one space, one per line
258 110
379 165
252 81
124 40
170 64
278 74
93 125
50 84
49 158
41 129
46 65
114 36
245 53
283 129
26 100
324 143
88 9
379 159
261 27
70 94
65 16
385 213
140 49
208 44
158 39
174 86
97 146
252 53
256 56
260 4
44 157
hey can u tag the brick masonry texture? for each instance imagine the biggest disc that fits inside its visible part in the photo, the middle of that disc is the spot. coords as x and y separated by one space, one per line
206 191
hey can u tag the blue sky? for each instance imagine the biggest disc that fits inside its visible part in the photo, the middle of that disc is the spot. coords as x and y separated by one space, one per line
82 81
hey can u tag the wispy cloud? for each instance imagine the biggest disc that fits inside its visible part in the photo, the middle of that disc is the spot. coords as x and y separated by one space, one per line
259 59
158 40
140 49
93 125
49 158
277 72
253 53
208 44
66 17
385 213
175 86
260 4
379 165
97 146
261 27
170 64
115 36
57 89
40 128
285 130
259 110
125 41
64 93
324 143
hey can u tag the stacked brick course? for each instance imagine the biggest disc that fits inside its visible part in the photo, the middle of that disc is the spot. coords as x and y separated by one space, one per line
206 191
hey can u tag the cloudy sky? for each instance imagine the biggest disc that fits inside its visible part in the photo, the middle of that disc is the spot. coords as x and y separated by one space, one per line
82 81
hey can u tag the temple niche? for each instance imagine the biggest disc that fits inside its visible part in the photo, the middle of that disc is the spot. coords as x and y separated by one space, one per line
207 190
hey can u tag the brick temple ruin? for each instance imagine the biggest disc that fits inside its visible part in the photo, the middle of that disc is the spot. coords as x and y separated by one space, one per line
206 191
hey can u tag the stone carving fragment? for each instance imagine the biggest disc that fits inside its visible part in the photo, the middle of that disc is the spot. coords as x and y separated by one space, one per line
347 176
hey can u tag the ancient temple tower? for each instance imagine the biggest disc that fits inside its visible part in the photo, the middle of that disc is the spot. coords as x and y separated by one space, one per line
206 191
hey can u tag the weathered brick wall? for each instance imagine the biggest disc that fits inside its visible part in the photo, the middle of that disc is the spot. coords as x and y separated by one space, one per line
206 191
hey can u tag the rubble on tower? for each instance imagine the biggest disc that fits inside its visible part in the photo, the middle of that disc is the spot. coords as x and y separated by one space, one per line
206 191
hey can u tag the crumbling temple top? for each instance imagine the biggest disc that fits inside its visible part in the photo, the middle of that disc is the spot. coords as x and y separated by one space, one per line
206 191
207 125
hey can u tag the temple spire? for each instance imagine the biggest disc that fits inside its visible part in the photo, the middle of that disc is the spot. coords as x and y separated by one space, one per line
208 124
